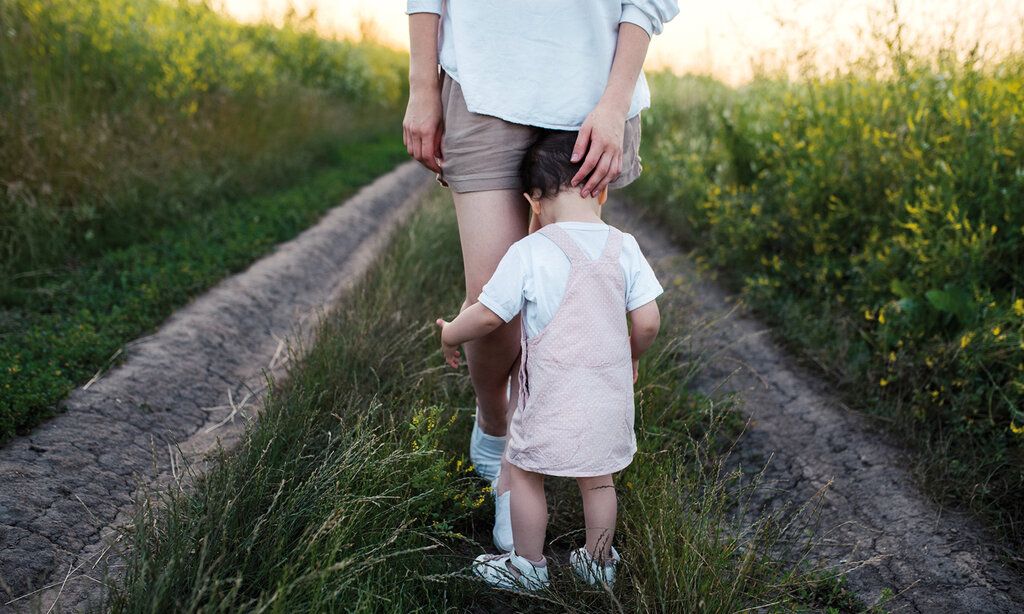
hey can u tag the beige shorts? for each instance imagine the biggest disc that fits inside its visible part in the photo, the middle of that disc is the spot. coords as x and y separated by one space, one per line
482 152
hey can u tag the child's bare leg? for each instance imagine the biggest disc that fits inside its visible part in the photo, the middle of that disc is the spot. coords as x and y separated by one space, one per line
529 513
600 509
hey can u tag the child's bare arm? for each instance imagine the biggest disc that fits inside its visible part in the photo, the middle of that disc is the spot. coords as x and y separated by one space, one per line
473 323
646 322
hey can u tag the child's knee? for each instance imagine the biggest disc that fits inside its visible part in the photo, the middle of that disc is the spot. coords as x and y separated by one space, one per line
596 483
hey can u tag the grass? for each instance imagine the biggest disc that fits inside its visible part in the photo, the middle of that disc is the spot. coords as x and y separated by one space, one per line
351 492
147 149
873 217
57 334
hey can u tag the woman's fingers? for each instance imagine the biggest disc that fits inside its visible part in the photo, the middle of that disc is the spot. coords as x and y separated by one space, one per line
593 159
438 136
581 146
427 148
598 177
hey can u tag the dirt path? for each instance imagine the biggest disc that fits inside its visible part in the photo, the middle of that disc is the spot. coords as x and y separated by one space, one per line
69 484
873 519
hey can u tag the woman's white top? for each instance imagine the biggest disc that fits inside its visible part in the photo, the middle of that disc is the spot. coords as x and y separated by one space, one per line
539 62
532 276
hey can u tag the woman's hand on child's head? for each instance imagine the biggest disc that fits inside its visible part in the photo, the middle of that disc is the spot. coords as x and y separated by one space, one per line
451 352
636 369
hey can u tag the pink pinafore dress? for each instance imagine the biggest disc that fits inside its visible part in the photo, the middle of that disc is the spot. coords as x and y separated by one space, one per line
575 412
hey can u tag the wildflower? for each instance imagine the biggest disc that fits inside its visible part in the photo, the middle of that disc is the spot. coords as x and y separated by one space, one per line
1018 307
868 315
929 362
996 332
892 356
1016 430
881 317
966 340
883 382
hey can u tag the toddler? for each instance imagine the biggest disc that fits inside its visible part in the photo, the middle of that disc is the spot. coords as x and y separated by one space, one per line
574 281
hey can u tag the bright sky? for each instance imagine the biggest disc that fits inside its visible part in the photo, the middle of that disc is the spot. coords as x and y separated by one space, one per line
726 37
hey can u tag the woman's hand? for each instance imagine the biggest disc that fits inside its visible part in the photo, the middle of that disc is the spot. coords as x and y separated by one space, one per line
423 125
600 140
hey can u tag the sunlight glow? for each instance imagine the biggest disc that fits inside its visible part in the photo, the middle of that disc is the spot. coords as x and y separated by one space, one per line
726 39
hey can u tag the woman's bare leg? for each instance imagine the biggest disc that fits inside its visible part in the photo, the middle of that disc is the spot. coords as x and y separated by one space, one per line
489 223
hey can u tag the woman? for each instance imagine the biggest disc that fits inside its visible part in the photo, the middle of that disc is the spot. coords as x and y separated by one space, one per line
509 69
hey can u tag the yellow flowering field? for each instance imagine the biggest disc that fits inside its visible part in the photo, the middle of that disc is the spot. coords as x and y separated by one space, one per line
876 216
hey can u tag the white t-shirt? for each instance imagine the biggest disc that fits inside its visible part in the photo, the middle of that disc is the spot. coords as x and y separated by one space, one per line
541 63
532 276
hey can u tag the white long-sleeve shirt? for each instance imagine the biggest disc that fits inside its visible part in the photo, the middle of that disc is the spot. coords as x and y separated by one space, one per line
541 63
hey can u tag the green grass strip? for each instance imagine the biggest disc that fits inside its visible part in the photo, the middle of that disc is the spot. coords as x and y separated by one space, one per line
80 317
351 492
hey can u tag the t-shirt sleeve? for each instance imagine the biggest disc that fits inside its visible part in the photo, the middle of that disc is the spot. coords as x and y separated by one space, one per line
651 15
642 285
503 294
423 6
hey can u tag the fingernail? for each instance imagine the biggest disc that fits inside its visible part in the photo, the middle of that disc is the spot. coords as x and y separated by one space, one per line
575 158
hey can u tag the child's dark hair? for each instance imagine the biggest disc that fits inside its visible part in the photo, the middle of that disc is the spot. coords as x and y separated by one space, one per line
546 168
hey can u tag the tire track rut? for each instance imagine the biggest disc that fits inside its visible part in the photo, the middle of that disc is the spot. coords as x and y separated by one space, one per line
180 392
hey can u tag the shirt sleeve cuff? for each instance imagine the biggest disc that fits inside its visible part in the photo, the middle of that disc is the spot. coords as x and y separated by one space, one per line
423 6
633 15
643 299
498 309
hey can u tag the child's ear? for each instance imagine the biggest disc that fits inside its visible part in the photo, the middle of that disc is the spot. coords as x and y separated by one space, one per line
534 203
602 198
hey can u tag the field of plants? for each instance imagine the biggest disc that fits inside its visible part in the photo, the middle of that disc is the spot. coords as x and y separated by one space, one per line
876 217
148 148
352 492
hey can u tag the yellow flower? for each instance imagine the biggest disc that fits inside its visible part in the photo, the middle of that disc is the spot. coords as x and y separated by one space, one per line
1018 307
892 356
1016 430
928 361
883 382
868 315
881 317
996 331
966 340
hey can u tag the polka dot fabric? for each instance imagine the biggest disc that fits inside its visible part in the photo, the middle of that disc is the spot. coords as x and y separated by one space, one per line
575 412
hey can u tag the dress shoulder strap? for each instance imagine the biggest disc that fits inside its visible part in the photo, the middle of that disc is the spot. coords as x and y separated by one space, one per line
562 239
612 245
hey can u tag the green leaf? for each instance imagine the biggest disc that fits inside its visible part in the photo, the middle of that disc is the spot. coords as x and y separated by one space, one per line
952 300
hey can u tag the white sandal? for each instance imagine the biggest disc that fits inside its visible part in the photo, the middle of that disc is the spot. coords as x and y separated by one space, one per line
592 572
511 571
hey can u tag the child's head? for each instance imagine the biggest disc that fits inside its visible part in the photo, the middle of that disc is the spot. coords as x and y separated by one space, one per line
547 171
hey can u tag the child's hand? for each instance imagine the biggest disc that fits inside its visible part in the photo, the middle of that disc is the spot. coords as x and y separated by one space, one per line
451 352
636 369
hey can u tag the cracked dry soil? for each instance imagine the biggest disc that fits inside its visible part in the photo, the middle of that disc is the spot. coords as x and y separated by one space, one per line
873 520
179 393
68 485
